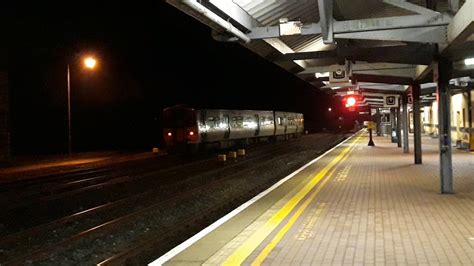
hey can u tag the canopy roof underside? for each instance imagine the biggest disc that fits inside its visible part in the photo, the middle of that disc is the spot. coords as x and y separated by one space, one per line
388 44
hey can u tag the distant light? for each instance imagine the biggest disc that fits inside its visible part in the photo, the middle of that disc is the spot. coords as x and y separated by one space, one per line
329 109
469 61
169 134
90 62
191 133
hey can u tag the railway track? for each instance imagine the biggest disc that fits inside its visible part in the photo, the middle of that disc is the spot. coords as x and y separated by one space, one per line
112 219
36 205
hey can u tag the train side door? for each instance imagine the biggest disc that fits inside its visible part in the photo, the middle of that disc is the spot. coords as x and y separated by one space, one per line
297 124
202 122
226 120
257 129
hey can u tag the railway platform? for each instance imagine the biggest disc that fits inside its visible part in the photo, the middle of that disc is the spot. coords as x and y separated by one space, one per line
354 205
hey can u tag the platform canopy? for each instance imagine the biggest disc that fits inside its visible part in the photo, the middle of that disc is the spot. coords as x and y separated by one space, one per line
383 45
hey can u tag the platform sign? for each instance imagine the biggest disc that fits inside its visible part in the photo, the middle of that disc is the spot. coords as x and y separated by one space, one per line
390 101
339 75
290 27
370 125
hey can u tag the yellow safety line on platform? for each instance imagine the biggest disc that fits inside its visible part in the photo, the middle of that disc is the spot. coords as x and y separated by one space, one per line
256 239
266 251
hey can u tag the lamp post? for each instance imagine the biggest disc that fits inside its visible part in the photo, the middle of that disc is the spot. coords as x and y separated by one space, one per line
90 63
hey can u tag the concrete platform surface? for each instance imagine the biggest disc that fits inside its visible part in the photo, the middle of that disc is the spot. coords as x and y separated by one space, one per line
357 205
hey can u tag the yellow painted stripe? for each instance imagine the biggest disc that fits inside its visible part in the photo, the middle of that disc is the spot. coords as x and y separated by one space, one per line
241 253
266 251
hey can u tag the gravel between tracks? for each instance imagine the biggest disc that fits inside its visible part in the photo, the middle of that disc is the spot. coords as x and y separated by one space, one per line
225 190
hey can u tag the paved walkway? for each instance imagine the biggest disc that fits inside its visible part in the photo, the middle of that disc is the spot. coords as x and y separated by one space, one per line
358 205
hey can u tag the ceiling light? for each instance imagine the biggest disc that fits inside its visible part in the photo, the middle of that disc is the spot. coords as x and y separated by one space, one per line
469 61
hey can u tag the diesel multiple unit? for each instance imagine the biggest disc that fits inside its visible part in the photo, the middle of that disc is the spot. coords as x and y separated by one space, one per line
190 127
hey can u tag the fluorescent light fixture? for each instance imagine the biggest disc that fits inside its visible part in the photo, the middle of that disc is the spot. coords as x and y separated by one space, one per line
469 61
322 75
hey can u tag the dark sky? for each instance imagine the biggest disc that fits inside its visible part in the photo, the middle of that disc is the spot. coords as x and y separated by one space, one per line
151 57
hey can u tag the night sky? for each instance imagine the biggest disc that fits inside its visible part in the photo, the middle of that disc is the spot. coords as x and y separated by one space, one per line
150 57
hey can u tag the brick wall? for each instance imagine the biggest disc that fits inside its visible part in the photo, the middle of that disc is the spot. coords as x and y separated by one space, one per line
4 117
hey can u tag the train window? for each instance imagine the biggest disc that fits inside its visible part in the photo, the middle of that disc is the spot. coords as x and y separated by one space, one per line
179 117
233 123
265 121
237 121
240 121
211 121
290 121
280 121
249 122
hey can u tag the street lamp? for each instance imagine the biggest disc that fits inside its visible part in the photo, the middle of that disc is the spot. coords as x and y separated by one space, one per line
90 63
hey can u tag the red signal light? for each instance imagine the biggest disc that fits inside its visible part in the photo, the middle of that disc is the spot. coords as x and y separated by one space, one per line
191 133
169 134
350 102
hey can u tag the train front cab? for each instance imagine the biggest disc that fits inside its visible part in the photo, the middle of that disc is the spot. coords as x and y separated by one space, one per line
179 127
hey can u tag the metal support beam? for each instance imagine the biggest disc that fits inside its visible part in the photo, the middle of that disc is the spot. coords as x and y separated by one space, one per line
390 23
392 125
436 34
326 19
381 79
399 127
406 142
417 54
417 122
442 75
274 31
462 25
234 11
413 22
216 19
411 7
378 120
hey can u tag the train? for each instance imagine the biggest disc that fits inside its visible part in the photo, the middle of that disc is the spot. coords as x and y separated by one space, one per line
187 128
462 132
